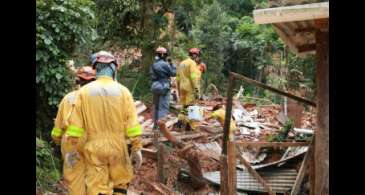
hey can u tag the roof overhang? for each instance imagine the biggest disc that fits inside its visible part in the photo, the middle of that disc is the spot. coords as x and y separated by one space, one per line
296 25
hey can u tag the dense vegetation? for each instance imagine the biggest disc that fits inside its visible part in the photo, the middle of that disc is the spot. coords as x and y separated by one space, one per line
223 29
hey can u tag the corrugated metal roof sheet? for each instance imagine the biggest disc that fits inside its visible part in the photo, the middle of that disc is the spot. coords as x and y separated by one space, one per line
280 180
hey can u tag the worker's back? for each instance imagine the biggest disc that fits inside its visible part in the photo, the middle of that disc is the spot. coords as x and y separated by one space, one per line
187 75
107 109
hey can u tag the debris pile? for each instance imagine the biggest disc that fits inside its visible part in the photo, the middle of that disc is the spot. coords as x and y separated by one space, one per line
254 123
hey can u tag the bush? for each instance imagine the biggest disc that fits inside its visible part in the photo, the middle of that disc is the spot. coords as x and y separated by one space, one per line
47 166
61 26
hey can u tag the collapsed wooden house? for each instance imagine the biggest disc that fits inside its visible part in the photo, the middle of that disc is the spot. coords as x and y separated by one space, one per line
305 29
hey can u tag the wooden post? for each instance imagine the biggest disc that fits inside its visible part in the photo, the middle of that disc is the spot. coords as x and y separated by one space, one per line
321 155
232 176
225 188
224 174
227 120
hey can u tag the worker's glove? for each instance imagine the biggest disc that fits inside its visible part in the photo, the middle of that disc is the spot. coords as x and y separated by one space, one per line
196 94
71 158
136 158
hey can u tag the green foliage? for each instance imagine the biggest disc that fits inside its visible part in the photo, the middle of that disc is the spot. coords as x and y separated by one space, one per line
61 26
118 20
47 165
283 133
212 39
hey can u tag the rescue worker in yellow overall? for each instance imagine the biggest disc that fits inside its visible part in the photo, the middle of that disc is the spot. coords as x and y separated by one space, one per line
106 115
73 170
188 83
219 113
202 69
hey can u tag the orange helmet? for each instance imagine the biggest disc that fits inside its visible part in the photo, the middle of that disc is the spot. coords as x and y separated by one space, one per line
103 57
194 51
86 73
202 67
161 50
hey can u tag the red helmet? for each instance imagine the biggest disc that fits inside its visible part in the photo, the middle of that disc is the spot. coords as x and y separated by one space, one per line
161 50
194 51
86 73
103 57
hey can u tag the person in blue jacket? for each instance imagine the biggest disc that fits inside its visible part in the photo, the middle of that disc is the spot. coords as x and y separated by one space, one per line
160 72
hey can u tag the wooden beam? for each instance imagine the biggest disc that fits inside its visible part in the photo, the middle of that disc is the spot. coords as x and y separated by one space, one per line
262 144
253 172
306 48
291 13
278 27
303 168
259 84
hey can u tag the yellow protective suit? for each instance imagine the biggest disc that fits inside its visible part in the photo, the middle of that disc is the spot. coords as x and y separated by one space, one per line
220 115
75 175
106 114
188 81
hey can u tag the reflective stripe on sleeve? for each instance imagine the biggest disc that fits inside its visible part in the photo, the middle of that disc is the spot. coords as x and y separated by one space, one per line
74 131
56 132
134 131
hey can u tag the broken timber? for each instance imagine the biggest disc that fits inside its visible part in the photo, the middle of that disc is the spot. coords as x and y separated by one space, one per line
186 152
261 144
302 169
259 84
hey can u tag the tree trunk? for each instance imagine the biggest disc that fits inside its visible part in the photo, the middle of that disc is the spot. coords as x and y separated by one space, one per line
148 35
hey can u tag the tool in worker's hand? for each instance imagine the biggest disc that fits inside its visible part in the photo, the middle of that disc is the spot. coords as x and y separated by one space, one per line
71 158
136 158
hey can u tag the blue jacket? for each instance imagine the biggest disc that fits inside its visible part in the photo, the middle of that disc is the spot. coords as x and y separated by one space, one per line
160 73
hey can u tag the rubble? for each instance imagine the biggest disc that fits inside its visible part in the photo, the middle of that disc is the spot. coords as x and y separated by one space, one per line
191 154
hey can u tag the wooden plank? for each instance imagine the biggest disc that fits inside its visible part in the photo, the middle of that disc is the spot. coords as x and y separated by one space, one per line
149 153
140 107
254 173
301 173
292 13
261 144
262 85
